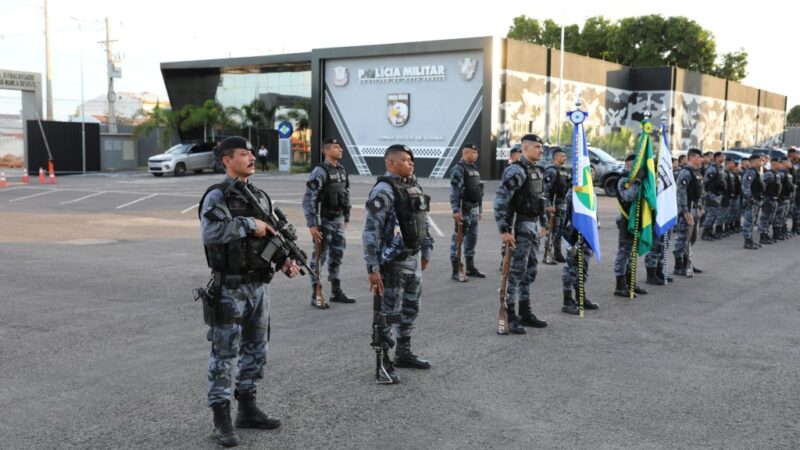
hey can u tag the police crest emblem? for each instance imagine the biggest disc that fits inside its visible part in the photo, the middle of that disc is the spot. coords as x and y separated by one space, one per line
340 76
467 68
399 109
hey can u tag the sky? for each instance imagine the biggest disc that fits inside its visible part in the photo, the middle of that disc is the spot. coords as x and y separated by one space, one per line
149 32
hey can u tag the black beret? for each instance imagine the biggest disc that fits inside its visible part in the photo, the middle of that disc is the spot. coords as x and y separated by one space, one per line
754 157
630 157
469 145
791 150
398 148
532 138
558 150
515 149
694 151
235 142
774 158
708 153
330 140
717 154
730 158
674 158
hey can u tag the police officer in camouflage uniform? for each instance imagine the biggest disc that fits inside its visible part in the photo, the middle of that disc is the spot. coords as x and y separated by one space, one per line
715 188
569 274
519 208
781 231
626 195
239 316
466 201
557 183
794 160
688 195
769 207
731 224
396 231
752 196
326 205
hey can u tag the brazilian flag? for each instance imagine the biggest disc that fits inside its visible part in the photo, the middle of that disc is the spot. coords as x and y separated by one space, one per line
645 204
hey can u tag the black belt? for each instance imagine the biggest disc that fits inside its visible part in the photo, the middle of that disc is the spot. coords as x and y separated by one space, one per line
234 280
521 219
408 252
331 214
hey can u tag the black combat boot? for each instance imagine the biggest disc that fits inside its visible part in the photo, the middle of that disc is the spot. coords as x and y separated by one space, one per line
706 236
223 427
621 290
454 276
250 416
338 295
527 317
660 274
780 234
636 288
765 239
472 270
389 366
570 307
403 357
513 321
558 256
587 304
717 232
652 277
748 244
680 266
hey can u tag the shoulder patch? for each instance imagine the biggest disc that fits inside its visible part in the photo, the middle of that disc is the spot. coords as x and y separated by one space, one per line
376 204
313 184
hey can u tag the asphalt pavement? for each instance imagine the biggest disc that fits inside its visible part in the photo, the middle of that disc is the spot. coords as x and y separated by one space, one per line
102 346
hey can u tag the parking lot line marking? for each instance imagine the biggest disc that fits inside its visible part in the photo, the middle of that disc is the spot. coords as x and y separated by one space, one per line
82 198
435 228
33 195
197 205
136 201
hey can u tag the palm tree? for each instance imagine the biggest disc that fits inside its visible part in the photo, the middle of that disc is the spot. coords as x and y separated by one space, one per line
207 114
252 116
157 119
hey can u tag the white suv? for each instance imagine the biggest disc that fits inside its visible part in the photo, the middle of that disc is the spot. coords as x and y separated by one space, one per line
182 157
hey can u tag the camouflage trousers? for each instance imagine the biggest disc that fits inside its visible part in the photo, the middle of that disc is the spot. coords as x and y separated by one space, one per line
713 211
768 210
558 225
781 213
470 231
750 219
733 212
402 293
656 254
333 245
622 263
569 274
682 233
524 263
246 339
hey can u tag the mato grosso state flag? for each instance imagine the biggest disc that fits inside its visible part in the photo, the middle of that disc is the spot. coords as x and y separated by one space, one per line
584 201
645 204
667 208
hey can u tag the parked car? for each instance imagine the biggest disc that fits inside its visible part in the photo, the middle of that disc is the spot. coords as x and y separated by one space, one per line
771 152
736 155
181 158
606 170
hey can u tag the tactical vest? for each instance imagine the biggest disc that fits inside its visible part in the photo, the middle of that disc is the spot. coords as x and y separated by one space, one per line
240 255
694 191
773 188
788 185
334 197
757 185
473 194
411 206
730 179
528 201
624 206
716 184
737 184
561 184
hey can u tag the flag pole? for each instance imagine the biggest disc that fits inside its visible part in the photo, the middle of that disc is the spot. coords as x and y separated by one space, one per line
581 271
635 248
665 245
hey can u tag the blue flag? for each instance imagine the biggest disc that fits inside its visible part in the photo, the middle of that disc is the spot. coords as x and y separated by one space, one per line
584 200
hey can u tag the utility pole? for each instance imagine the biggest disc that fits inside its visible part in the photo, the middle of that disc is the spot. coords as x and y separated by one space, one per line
49 69
113 72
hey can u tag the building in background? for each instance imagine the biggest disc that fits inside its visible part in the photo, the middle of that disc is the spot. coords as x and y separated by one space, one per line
126 106
435 95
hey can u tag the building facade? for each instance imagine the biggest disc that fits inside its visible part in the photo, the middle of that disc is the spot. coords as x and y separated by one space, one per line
434 96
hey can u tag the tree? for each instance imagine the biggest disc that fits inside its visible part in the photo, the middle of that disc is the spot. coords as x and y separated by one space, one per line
644 41
206 115
252 116
794 115
157 119
732 65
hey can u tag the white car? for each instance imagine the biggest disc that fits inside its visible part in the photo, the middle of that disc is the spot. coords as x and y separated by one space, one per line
182 157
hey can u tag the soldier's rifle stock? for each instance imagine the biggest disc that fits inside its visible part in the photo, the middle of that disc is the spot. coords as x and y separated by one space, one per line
381 343
319 298
502 317
462 276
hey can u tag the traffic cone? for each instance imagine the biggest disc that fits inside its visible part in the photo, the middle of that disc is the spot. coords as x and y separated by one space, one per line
52 179
26 179
41 176
3 182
